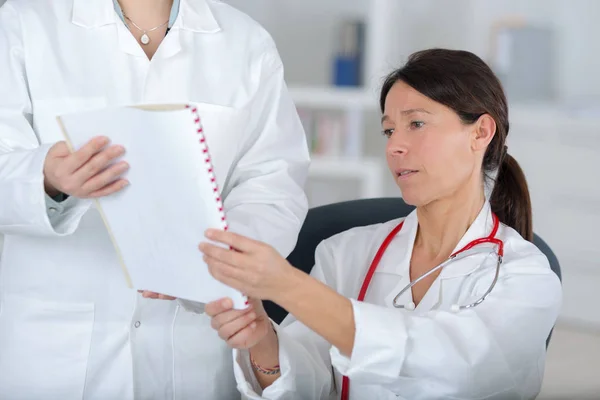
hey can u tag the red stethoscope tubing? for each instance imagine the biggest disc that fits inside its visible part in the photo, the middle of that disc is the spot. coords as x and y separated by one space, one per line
491 238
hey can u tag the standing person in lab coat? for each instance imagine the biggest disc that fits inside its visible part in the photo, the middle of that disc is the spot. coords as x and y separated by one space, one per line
475 328
69 326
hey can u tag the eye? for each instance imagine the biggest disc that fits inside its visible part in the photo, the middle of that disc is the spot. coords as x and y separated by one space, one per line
417 124
387 133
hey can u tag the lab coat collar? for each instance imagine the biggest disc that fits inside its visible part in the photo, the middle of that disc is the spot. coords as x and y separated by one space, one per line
481 227
93 13
197 16
194 15
405 239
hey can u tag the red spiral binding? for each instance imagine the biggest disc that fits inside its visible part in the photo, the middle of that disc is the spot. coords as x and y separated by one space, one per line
209 166
210 169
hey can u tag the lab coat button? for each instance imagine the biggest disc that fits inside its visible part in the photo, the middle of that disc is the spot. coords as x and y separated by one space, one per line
137 324
52 210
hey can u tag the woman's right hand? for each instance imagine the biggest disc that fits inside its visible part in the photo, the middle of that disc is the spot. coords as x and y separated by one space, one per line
84 173
248 329
241 329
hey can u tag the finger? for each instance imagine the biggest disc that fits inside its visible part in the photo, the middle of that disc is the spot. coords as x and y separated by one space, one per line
149 295
231 328
60 150
242 339
98 163
227 256
81 156
104 178
238 242
110 189
226 317
166 297
227 274
216 307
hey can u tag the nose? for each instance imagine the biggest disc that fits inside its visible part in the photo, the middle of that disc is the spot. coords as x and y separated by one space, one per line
396 145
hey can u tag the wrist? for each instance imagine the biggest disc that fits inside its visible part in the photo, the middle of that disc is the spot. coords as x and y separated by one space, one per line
295 290
266 352
268 345
50 190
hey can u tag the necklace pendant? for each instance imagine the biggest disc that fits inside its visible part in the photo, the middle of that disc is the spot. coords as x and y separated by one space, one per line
145 39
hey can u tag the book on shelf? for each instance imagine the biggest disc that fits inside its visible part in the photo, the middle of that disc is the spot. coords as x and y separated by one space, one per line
332 133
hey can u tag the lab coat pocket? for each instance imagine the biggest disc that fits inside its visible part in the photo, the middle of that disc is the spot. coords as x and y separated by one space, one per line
225 130
44 348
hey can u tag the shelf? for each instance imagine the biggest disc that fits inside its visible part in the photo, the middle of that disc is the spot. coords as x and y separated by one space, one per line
334 98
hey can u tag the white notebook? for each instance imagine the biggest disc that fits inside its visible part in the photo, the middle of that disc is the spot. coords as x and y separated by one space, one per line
157 222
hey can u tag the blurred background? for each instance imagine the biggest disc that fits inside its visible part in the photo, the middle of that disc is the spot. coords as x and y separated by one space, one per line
336 53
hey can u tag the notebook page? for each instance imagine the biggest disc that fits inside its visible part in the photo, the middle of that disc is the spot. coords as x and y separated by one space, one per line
158 220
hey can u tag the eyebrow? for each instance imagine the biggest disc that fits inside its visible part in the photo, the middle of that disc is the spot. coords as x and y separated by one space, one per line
407 112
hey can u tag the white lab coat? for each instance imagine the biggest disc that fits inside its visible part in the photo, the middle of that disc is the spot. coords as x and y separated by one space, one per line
69 326
493 351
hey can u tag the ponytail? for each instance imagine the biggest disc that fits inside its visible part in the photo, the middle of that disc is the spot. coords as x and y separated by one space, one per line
510 199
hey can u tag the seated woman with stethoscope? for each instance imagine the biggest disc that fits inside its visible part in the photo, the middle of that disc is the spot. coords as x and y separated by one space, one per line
454 301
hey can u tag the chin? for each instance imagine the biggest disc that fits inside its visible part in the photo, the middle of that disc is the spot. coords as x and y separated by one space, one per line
414 199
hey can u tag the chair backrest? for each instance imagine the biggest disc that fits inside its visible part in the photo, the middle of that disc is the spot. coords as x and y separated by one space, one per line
326 221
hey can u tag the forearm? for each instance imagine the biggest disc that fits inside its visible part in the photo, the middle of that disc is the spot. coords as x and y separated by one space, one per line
266 355
28 210
321 309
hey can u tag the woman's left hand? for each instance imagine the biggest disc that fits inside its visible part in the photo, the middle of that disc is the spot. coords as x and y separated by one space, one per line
254 268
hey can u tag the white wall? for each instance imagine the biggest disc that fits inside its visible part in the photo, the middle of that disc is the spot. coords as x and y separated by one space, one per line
305 32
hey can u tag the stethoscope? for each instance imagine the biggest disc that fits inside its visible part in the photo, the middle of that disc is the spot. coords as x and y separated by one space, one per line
464 252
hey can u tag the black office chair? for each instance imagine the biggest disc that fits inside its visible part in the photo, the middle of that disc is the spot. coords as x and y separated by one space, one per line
326 221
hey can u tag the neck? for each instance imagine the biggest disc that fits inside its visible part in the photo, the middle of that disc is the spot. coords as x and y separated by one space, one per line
147 12
444 222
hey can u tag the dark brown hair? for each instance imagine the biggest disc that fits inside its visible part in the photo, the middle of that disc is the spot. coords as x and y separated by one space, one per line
463 82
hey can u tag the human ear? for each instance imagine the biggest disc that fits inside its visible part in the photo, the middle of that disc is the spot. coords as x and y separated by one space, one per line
485 129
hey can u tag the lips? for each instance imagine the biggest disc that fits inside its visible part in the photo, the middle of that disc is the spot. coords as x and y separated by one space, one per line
405 173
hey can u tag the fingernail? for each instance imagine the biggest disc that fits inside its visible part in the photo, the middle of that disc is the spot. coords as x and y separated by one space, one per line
252 315
226 303
253 325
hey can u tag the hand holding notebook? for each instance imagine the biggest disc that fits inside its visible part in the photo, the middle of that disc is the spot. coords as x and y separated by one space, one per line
84 173
157 221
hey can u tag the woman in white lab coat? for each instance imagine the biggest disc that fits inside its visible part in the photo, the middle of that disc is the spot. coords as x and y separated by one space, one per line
69 326
475 328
